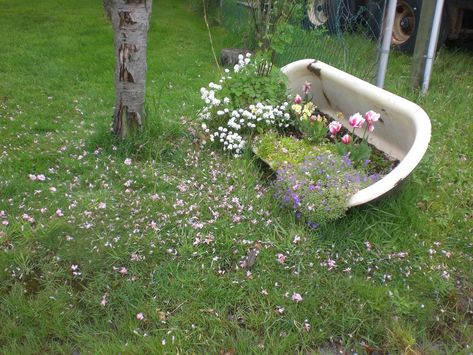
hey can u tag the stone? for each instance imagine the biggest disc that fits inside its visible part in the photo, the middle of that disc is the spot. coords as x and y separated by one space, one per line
229 56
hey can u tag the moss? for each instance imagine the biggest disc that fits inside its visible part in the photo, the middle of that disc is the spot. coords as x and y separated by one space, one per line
279 150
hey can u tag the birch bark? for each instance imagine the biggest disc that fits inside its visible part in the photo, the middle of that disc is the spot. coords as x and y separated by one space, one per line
130 20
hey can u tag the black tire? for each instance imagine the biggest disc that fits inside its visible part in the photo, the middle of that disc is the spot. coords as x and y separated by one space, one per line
334 15
406 24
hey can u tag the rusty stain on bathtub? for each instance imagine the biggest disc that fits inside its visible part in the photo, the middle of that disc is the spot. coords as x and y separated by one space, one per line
316 71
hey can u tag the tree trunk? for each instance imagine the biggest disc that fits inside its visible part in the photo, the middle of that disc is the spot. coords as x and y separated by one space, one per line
130 20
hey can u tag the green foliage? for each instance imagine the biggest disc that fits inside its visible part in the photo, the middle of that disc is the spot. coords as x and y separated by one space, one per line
359 152
314 129
246 87
272 26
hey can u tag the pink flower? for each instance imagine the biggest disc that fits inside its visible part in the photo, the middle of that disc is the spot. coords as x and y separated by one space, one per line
370 127
59 213
297 99
356 120
140 316
279 310
40 177
296 297
372 116
28 218
307 86
346 139
128 183
127 161
103 301
123 270
281 258
102 205
32 177
334 127
331 264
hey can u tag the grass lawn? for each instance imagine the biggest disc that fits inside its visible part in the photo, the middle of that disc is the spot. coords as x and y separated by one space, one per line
95 233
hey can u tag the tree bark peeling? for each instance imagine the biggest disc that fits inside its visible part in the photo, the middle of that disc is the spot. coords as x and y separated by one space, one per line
125 19
125 56
130 19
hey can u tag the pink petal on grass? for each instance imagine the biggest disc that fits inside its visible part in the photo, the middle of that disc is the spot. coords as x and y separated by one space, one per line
296 297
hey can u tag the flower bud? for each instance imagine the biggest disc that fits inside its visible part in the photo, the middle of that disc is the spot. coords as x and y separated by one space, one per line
346 139
298 99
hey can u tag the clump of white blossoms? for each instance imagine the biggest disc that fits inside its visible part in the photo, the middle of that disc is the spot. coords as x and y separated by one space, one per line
226 124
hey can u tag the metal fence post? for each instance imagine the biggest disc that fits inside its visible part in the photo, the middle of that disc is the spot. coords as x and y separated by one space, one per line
434 36
386 43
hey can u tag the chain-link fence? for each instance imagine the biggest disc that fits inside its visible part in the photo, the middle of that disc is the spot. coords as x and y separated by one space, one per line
342 33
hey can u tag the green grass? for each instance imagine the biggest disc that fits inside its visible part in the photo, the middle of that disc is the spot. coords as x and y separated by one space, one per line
180 218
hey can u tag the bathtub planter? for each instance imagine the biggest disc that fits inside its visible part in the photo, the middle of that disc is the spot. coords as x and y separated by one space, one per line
403 131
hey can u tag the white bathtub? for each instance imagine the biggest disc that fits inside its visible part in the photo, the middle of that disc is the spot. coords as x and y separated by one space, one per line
403 131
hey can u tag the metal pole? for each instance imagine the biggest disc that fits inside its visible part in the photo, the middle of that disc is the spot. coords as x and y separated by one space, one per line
386 43
434 36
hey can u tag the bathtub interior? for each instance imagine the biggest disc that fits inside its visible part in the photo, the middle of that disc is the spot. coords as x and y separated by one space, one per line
403 131
334 91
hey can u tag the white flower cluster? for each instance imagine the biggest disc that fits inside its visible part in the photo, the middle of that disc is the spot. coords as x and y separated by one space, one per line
209 95
242 62
231 141
267 114
230 136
